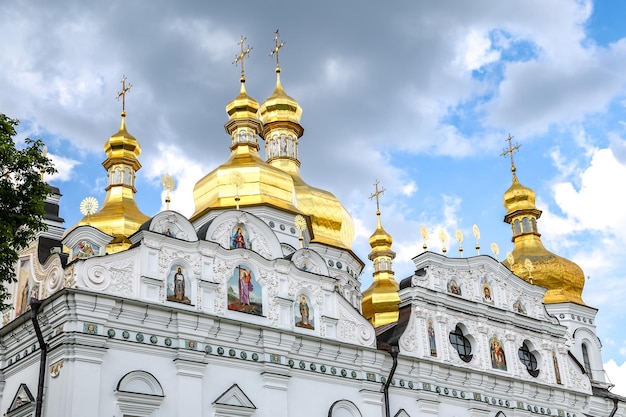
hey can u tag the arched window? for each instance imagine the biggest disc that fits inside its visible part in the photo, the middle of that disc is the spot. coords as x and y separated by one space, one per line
461 344
525 225
528 359
516 227
586 361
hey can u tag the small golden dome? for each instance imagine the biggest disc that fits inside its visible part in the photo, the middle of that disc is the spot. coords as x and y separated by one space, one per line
280 114
563 279
245 176
119 216
279 106
380 239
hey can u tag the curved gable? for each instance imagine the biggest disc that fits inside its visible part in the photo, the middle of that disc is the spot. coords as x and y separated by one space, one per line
173 224
237 229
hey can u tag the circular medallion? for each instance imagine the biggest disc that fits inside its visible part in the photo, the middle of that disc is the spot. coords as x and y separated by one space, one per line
411 384
125 334
139 337
323 368
302 365
272 224
282 227
111 333
313 367
231 352
220 351
154 339
333 370
208 349
339 265
255 357
344 372
293 230
353 374
243 355
291 363
331 263
168 342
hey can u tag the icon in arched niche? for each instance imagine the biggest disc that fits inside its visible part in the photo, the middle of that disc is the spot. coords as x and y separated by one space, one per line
244 292
85 249
239 237
24 285
304 316
519 307
178 287
487 292
453 287
432 343
498 359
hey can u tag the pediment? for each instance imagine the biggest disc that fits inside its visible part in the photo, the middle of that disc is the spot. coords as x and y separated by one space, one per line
481 279
234 397
172 224
22 398
235 229
310 261
85 242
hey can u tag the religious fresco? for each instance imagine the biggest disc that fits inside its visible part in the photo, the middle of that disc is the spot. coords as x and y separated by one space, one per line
519 307
454 288
557 373
24 284
178 287
498 359
304 316
432 343
486 292
239 238
85 249
244 292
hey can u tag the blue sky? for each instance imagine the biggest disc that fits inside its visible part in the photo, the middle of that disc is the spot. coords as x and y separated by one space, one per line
417 95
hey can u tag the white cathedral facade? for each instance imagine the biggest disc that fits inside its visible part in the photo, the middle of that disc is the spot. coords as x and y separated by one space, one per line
253 307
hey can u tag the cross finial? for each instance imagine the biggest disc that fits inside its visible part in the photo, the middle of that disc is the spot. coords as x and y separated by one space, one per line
125 89
509 151
241 57
376 194
277 47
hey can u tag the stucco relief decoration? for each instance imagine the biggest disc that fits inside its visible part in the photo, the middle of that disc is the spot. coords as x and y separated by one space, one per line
169 226
97 277
68 277
122 277
421 278
409 340
259 243
54 280
351 329
167 257
222 233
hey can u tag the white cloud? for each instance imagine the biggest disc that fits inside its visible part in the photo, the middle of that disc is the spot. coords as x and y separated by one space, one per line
64 166
476 50
409 189
597 204
616 375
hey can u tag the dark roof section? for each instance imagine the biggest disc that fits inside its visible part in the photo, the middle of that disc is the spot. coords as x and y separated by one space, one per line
46 247
390 334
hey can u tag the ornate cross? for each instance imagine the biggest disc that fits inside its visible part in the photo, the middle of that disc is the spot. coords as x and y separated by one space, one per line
241 57
509 151
276 48
125 90
376 194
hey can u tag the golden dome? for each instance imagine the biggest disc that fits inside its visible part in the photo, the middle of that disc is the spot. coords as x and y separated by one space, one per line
280 115
279 107
245 175
380 303
119 216
563 279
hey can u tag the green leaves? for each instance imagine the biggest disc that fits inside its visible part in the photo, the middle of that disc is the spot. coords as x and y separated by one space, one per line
22 196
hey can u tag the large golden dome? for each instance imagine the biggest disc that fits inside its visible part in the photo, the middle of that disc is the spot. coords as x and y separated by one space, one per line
119 216
563 279
280 115
245 175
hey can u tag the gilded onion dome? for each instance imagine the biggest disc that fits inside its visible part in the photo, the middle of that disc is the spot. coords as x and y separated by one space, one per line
119 215
563 278
245 179
280 115
380 303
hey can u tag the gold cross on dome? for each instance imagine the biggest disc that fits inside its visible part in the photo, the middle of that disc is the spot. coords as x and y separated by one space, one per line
376 194
509 151
241 57
125 90
276 49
